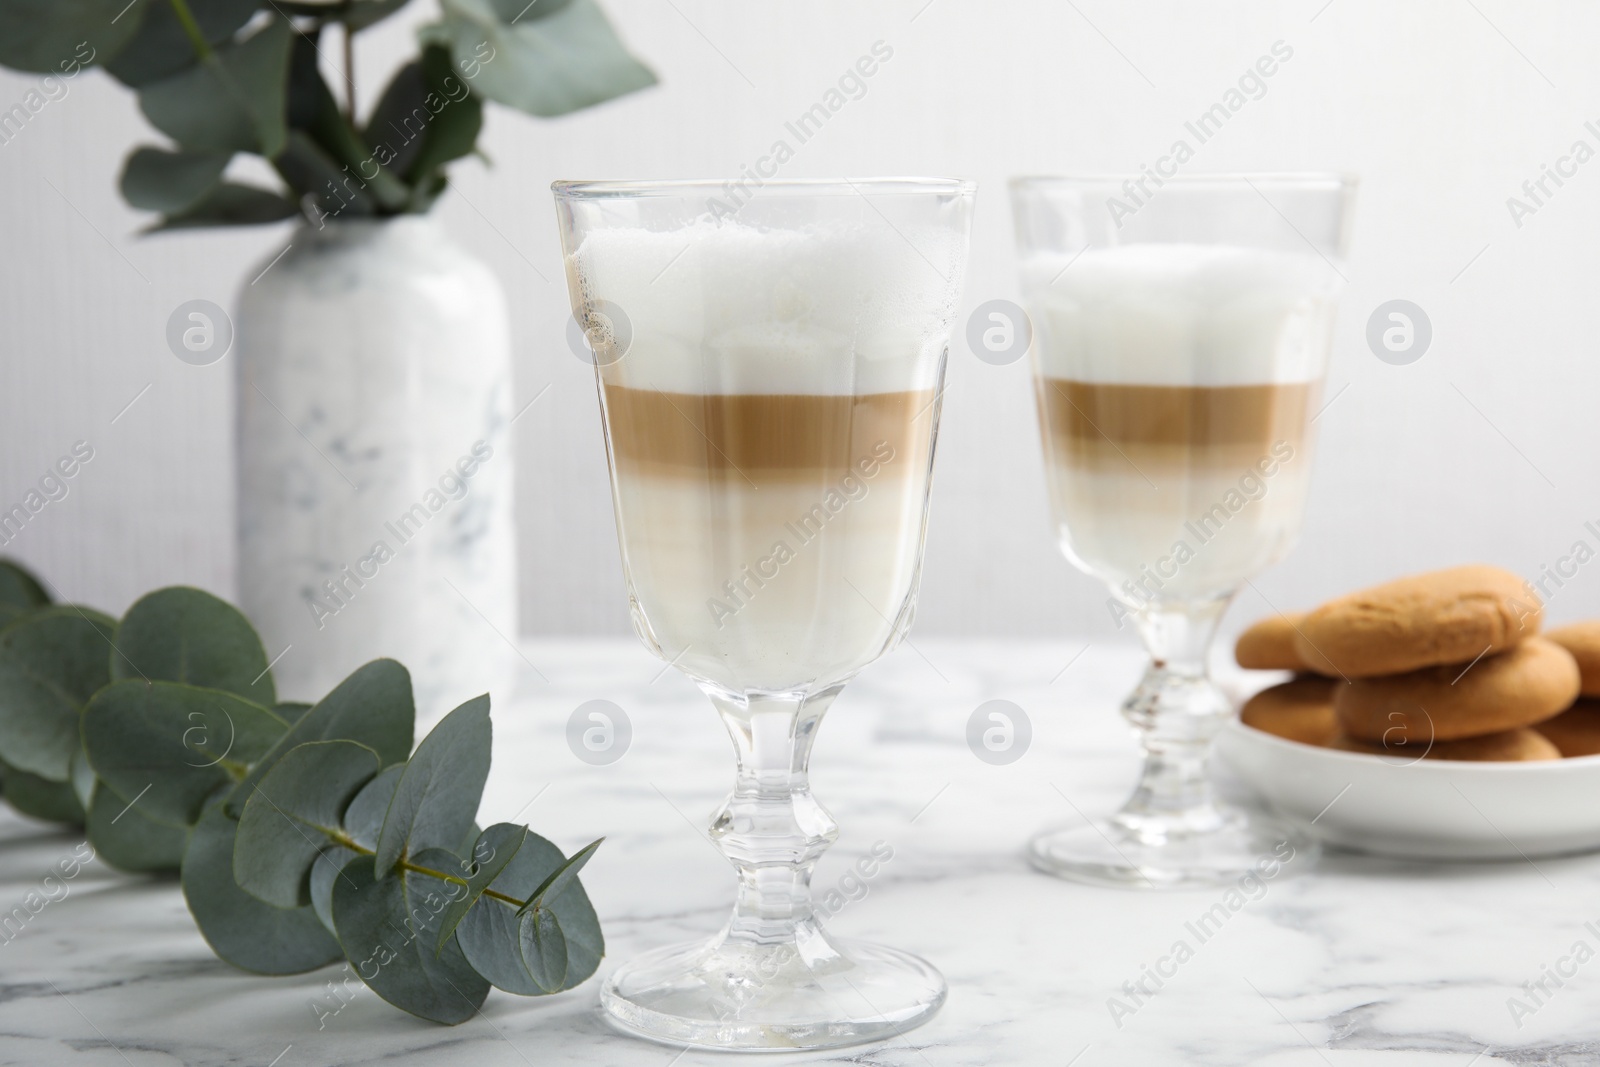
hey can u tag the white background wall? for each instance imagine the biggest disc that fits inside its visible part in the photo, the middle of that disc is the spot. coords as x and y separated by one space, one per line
1485 449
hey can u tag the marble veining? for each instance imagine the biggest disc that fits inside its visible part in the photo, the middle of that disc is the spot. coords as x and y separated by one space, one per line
1363 961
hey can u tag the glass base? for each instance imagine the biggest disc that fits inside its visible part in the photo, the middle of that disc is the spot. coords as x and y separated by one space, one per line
1116 852
806 994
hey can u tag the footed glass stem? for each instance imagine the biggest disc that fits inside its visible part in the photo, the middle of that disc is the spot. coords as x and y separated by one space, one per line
1172 832
773 979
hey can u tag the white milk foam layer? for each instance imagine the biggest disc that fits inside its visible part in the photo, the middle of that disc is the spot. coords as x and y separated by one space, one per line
1172 314
734 309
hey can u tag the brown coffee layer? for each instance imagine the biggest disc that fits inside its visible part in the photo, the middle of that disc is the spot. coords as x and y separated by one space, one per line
1176 416
779 436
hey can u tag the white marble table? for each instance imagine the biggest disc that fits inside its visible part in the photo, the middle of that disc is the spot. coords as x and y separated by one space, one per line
1364 961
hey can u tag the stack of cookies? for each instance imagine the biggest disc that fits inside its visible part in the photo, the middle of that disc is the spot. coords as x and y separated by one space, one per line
1446 665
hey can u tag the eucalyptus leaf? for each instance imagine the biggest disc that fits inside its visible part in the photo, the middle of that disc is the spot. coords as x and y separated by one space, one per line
126 839
239 928
388 928
234 101
553 60
313 110
40 797
307 167
491 934
544 949
292 814
19 589
44 35
373 706
560 878
179 634
51 662
154 179
229 204
162 48
363 820
427 117
438 794
493 849
171 746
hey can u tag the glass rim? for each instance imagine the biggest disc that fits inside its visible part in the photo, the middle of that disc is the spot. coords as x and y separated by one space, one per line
1329 180
586 189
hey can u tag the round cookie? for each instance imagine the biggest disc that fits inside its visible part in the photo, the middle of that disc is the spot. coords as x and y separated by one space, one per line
1576 731
1300 710
1268 645
1582 639
1512 746
1532 682
1443 617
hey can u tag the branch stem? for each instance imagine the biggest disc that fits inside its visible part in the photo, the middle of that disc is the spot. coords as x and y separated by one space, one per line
191 27
350 843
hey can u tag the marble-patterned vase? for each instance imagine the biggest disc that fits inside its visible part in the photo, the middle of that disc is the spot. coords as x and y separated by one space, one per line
374 461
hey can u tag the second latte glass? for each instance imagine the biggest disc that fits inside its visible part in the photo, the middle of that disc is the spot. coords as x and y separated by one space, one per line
1181 336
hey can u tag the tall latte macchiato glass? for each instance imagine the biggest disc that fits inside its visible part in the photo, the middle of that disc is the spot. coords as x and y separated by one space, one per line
1181 335
769 362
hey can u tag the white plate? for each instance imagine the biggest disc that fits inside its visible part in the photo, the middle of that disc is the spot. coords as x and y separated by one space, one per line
1438 809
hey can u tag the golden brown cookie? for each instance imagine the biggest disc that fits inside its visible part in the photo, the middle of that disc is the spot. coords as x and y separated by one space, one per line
1512 746
1532 682
1576 731
1448 616
1582 639
1269 645
1301 710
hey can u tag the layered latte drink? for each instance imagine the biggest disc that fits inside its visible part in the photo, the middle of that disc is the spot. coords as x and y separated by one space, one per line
771 430
1176 385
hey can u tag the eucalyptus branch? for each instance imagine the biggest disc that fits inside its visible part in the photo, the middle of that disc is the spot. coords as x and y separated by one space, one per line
191 27
346 841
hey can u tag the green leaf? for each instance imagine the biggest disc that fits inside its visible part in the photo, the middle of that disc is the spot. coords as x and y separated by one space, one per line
179 634
544 949
491 934
234 101
363 819
426 118
40 797
389 927
48 36
556 59
560 878
161 48
154 179
312 172
241 929
313 110
493 849
171 746
51 662
129 841
373 706
229 204
19 588
292 814
438 794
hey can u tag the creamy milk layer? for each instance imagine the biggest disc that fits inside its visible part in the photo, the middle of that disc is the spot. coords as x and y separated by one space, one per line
731 308
1176 385
1181 315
